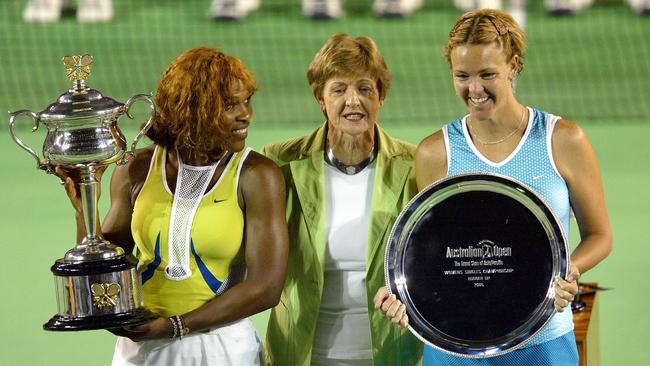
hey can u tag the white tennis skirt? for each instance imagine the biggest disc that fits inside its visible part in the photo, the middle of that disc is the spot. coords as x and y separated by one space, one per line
236 344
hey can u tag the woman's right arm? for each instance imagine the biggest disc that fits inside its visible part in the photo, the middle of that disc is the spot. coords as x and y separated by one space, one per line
117 223
430 160
126 182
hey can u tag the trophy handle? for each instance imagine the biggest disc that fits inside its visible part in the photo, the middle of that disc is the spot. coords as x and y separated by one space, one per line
40 164
127 106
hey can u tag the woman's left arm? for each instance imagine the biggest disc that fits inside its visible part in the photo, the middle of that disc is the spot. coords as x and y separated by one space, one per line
262 193
577 163
576 160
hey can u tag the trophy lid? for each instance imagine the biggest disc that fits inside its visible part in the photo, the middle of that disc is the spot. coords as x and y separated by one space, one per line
80 101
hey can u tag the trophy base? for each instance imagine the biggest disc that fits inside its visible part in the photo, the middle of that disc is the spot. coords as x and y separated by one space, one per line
98 295
137 317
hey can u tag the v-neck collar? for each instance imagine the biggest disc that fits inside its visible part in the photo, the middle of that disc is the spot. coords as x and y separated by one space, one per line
514 152
230 158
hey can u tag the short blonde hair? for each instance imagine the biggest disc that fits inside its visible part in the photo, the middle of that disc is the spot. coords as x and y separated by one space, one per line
342 55
486 26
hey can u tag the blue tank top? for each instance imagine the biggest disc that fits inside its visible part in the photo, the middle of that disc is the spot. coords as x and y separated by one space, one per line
530 163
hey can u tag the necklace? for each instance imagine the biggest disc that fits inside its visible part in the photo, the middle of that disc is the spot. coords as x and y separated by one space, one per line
521 122
348 169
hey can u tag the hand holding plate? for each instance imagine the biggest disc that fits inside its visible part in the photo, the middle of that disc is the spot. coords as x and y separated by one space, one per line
392 308
566 289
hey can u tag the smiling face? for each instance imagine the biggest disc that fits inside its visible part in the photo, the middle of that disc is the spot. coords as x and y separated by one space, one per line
236 117
351 104
203 105
483 78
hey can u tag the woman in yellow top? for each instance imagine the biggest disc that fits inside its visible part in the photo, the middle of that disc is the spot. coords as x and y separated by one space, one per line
206 216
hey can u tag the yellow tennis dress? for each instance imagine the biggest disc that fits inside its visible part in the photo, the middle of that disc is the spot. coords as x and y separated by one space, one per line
216 262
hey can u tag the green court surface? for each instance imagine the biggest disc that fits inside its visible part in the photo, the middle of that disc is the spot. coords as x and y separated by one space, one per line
593 68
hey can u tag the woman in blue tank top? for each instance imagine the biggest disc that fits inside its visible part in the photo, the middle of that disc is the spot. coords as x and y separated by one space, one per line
499 135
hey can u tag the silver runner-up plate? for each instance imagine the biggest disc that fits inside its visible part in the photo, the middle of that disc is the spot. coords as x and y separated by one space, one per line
473 258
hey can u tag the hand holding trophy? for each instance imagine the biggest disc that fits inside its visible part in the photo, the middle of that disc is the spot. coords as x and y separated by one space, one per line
97 284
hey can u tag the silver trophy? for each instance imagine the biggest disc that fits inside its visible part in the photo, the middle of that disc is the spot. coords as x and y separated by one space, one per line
97 284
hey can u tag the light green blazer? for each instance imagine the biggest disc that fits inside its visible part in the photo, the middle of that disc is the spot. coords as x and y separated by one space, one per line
292 323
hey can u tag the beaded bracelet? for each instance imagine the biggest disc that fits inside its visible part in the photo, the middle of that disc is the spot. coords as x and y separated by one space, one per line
178 327
182 329
172 320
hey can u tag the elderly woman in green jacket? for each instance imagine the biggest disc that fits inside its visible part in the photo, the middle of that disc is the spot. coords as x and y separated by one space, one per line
346 183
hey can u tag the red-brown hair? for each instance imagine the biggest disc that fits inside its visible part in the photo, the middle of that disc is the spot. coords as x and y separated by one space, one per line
192 96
